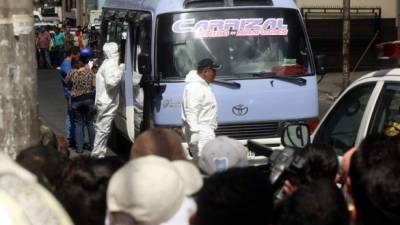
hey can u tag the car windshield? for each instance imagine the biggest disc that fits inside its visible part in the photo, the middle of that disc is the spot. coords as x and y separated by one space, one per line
48 12
245 42
37 19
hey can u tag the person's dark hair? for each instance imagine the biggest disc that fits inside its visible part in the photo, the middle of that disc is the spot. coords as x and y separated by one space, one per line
377 195
375 149
236 196
158 141
78 64
104 168
319 202
378 148
73 51
83 194
321 162
46 163
199 71
374 180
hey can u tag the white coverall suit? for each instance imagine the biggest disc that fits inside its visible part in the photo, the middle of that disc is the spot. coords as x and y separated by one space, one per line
108 78
199 113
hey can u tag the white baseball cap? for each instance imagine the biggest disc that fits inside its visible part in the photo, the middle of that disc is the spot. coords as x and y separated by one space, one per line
152 189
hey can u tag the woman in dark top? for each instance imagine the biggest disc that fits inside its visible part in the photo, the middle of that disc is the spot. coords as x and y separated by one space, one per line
82 80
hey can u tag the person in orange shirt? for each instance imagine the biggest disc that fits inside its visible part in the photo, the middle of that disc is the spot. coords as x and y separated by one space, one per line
78 39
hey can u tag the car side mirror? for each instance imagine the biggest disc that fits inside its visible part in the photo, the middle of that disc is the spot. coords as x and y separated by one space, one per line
320 64
144 63
295 136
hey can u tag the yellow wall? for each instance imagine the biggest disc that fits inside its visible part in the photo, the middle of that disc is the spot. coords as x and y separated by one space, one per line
389 7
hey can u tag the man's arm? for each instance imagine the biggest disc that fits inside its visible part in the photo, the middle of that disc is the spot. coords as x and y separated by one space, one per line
192 105
112 75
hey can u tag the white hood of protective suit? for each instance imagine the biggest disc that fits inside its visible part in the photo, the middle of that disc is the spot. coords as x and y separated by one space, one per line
110 50
108 78
199 106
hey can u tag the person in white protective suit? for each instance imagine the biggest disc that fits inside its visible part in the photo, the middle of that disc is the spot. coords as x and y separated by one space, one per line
138 101
199 107
108 78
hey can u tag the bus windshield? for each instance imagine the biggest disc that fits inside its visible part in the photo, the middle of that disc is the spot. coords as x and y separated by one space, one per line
245 42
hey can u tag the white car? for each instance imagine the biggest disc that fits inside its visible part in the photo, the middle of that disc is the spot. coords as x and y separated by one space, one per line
365 107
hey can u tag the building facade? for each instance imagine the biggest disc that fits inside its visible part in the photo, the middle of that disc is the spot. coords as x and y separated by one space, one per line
372 22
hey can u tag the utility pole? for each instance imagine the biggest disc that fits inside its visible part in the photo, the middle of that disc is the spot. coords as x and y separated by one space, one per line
19 123
398 18
346 43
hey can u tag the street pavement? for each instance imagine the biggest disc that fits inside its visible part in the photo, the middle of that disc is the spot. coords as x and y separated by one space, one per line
330 87
53 106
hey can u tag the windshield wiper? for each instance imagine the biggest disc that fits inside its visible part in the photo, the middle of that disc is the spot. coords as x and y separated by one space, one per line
294 80
230 84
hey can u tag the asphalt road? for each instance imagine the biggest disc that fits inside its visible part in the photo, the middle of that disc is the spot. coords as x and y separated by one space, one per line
53 106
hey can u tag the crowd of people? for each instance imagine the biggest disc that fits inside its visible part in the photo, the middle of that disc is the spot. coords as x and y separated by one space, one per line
157 185
92 96
52 43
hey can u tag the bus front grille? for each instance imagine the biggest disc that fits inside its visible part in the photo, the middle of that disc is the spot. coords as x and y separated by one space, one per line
249 130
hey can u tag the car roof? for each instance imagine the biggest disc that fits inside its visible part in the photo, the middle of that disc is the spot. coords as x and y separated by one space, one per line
382 73
385 74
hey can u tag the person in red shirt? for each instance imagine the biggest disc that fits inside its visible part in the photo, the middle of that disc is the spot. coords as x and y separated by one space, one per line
78 39
42 44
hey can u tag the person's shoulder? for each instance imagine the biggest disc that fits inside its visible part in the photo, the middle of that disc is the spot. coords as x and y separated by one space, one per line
86 70
196 84
194 88
65 64
192 84
74 72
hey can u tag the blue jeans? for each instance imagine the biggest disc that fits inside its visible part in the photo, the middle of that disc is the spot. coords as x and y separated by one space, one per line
44 58
69 126
83 116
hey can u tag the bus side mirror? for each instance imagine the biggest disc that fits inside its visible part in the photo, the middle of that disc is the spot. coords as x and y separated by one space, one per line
144 63
320 64
296 135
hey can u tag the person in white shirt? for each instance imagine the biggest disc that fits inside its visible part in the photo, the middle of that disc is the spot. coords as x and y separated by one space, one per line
199 107
108 78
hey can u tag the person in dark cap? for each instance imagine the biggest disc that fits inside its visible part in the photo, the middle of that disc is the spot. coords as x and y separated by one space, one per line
199 107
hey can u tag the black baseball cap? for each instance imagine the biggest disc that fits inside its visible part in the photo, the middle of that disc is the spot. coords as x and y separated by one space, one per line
208 64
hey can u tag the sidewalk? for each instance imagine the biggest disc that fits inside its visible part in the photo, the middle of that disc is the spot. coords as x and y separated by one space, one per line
331 85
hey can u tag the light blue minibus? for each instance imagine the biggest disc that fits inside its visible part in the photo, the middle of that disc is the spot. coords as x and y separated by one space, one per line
268 74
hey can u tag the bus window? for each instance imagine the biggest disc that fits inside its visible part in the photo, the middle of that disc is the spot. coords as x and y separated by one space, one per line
111 31
142 36
122 32
117 32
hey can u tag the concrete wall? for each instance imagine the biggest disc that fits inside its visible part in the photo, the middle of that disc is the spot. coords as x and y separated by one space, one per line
389 7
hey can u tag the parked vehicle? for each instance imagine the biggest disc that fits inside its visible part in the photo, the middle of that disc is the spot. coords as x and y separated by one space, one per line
50 15
268 75
365 107
37 17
